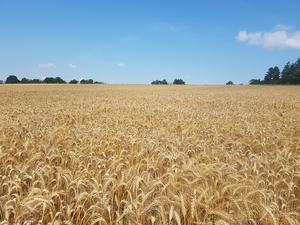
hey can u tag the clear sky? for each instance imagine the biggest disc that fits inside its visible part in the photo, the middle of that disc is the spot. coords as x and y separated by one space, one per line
137 41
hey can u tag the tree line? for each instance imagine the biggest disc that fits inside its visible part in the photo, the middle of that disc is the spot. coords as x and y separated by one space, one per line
12 79
164 82
289 75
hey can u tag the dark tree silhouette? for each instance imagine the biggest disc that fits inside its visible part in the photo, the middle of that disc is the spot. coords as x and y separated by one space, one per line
12 79
73 81
178 82
229 83
52 80
89 81
164 82
290 74
255 81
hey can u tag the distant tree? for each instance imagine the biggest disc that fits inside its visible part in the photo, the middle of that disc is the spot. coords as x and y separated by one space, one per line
155 82
268 76
98 82
25 80
56 80
290 74
49 80
296 72
73 81
12 79
164 82
272 76
286 73
275 75
36 81
229 83
59 80
254 81
178 82
89 81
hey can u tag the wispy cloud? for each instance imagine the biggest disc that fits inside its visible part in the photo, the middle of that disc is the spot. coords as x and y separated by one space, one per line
72 66
121 65
47 65
281 37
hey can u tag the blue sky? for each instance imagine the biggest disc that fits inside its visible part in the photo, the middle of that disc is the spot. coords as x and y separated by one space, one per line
137 41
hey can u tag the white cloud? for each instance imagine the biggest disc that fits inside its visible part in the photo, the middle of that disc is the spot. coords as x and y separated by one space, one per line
72 66
47 65
121 65
280 38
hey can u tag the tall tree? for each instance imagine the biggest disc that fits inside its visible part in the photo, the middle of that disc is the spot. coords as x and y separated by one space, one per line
296 72
276 75
286 73
269 76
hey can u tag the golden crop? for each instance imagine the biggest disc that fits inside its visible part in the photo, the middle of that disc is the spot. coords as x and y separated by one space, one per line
134 154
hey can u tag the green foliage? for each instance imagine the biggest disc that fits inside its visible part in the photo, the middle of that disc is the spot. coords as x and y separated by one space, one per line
52 80
25 80
12 79
73 81
163 82
272 76
178 82
229 83
89 81
289 75
255 81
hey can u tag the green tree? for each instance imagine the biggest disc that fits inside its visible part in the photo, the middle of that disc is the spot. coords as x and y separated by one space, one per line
12 79
36 81
178 82
73 81
296 72
286 73
59 80
164 82
269 76
229 83
24 80
49 80
89 81
275 75
56 80
255 81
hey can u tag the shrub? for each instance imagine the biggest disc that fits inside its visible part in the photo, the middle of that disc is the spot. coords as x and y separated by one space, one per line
229 83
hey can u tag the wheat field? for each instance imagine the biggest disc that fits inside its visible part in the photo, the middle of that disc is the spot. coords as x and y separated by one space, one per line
140 154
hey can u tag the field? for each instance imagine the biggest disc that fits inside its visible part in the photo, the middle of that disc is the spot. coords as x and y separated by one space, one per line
141 154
